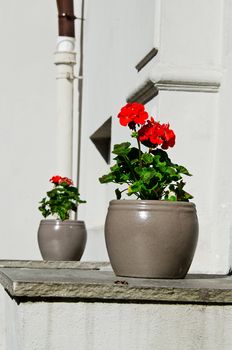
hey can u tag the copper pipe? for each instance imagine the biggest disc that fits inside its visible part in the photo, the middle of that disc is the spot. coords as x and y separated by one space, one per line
66 18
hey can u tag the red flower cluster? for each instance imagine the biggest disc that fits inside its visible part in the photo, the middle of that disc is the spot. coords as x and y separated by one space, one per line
57 180
153 134
132 114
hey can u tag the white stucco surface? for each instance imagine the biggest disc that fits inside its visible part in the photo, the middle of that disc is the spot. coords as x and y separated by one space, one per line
28 120
104 326
67 305
2 319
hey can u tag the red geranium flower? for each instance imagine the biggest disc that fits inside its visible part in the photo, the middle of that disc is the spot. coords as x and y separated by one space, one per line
57 180
132 114
153 134
66 180
169 137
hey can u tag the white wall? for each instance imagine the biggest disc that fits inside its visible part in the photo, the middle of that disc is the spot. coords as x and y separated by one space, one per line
194 45
192 39
104 326
189 35
2 319
28 120
117 35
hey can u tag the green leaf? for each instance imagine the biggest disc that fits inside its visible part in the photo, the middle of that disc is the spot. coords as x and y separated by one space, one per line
115 167
179 192
171 171
146 174
136 187
134 162
125 177
163 156
122 148
52 193
107 178
147 158
181 169
172 198
72 189
133 154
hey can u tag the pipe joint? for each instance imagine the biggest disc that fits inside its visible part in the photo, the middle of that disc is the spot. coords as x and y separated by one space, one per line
67 75
68 16
65 57
65 43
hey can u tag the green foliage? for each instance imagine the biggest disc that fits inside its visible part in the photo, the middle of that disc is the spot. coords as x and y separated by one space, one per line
146 175
60 201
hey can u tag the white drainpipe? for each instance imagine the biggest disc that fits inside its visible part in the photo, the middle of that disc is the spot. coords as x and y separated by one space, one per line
65 59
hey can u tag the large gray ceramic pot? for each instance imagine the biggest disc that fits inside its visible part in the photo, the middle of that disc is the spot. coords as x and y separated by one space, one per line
62 240
151 239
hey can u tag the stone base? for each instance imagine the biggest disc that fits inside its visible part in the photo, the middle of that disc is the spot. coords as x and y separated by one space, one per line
77 305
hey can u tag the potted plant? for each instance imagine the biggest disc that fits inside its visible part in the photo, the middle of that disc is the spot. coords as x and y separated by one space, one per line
154 235
61 238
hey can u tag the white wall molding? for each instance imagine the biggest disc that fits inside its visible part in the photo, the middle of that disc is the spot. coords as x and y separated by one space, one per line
163 77
187 86
185 79
146 59
144 93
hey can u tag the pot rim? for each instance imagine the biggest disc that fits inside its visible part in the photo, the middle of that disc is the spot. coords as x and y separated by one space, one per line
150 201
60 222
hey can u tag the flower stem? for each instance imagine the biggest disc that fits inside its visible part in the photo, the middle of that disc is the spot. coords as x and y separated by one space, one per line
139 147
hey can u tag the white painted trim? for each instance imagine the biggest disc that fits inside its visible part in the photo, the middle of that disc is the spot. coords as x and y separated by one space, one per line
163 77
185 79
187 86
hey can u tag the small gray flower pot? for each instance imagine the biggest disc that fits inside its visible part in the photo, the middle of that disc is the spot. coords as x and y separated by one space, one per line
62 240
